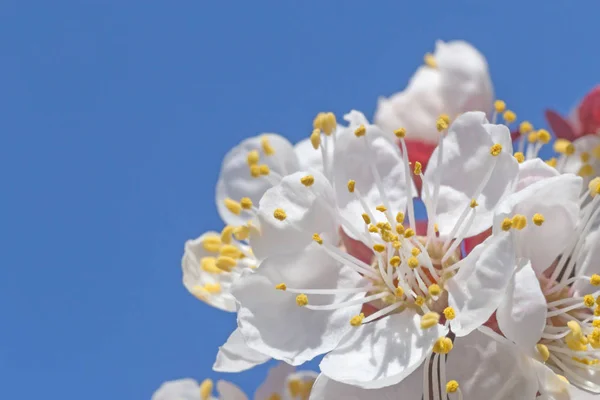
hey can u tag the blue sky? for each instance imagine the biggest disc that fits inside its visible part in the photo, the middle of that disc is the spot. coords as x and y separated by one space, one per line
115 117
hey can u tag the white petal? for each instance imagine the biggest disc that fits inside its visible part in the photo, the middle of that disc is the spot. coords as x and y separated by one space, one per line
584 144
522 314
182 389
588 258
309 210
275 382
353 161
465 162
328 389
550 385
305 377
557 199
477 289
235 180
236 356
229 391
194 277
532 171
579 394
383 352
485 368
273 324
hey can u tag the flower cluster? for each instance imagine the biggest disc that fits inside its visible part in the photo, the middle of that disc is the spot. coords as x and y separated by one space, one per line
492 290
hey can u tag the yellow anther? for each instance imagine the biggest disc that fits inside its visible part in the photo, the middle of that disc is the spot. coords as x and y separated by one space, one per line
473 203
597 311
519 221
233 206
302 300
360 131
317 238
562 378
315 138
373 229
594 186
400 217
384 225
441 124
226 263
279 214
544 352
419 300
575 339
585 157
509 116
563 146
388 236
231 251
255 171
264 169
212 288
209 264
378 247
451 386
436 228
525 127
594 339
418 168
381 208
496 149
596 323
281 286
253 157
429 60
586 170
399 292
409 233
434 289
211 243
445 118
544 136
595 280
443 345
357 319
307 180
415 251
413 262
246 203
499 106
241 232
274 396
588 300
400 229
400 133
266 146
430 320
226 234
532 137
326 122
552 162
449 313
351 185
507 224
396 244
206 388
538 219
366 218
520 157
395 261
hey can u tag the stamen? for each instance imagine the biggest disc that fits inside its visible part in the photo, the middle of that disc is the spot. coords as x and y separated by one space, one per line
429 320
335 306
302 300
266 146
211 243
233 206
253 158
315 138
206 388
443 345
279 214
307 180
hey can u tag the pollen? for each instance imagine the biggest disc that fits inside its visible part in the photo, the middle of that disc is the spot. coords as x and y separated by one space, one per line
586 170
532 137
562 378
281 286
378 247
525 127
231 251
326 122
307 180
409 233
360 131
400 229
419 300
473 203
499 106
436 228
435 290
317 238
596 323
206 388
506 224
509 116
395 261
519 221
357 319
585 157
241 232
588 300
430 320
266 146
520 157
246 203
400 217
544 136
400 133
373 229
445 118
264 169
226 263
418 168
496 149
209 264
429 60
413 262
441 124
351 185
366 218
255 171
449 313
211 243
595 280
279 214
594 186
538 219
226 234
575 339
396 244
253 157
544 352
399 292
302 300
443 345
212 288
564 146
233 206
381 208
451 386
415 251
552 162
315 138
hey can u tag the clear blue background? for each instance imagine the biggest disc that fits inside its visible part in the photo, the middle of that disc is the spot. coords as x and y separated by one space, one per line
115 116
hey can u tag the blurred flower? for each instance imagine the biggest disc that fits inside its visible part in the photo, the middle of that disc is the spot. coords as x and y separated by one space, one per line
584 119
189 389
